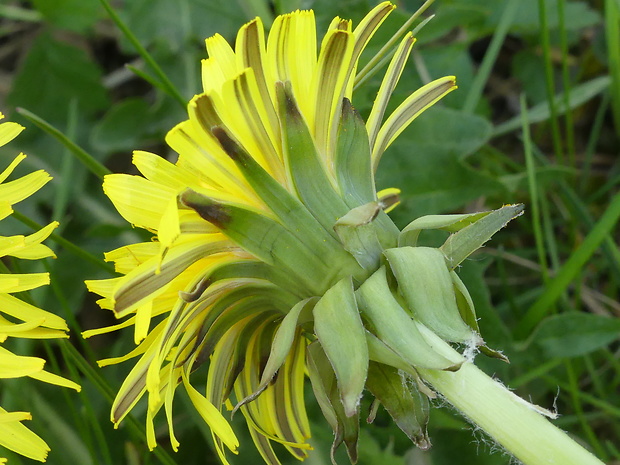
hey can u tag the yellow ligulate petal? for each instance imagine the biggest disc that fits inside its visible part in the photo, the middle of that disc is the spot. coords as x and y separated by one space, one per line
138 200
16 437
389 198
211 416
367 27
16 366
19 189
5 209
222 55
24 311
134 386
8 132
143 320
168 398
301 60
250 47
409 110
161 171
108 329
16 161
169 228
8 417
7 326
149 341
329 86
212 75
275 59
103 287
394 71
201 152
242 112
128 257
8 245
37 333
51 378
34 252
33 249
10 283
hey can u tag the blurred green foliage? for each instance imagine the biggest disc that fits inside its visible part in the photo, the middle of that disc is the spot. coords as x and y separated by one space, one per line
65 61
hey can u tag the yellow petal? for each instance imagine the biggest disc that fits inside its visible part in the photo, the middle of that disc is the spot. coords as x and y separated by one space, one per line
16 161
391 78
22 282
251 53
24 311
19 189
222 56
51 378
108 329
33 249
128 257
8 132
329 87
409 110
5 209
16 437
16 366
211 416
160 170
138 200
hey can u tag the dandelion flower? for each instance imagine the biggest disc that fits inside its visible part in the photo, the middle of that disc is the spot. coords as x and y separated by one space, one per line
273 257
19 319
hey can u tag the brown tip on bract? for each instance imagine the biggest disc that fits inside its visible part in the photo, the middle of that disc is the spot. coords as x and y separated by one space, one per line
231 148
208 209
285 90
195 293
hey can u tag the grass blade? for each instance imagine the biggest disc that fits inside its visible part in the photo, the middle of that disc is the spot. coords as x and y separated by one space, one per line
570 269
167 85
86 158
482 75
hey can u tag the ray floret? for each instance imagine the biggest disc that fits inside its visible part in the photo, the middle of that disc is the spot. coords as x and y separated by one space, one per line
19 319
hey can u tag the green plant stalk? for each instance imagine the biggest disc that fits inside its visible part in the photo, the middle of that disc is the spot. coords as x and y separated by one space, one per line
509 420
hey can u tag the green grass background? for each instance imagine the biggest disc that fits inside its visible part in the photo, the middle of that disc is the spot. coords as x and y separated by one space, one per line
536 119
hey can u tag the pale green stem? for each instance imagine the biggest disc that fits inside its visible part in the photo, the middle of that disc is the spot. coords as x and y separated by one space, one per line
511 421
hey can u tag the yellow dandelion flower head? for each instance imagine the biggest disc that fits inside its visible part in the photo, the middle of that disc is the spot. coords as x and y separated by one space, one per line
19 319
269 210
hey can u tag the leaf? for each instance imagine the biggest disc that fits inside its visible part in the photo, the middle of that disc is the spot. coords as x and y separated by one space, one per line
575 334
75 15
122 127
577 96
53 74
